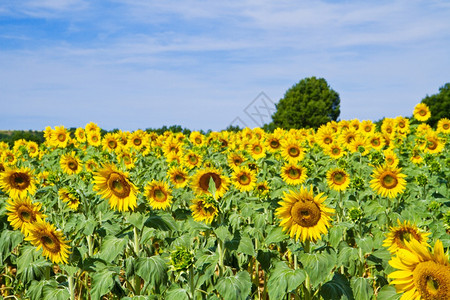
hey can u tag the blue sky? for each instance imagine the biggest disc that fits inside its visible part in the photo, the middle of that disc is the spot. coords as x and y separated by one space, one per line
133 64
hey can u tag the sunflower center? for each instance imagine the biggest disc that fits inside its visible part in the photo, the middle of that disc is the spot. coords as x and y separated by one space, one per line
20 181
432 145
118 185
198 140
305 213
338 178
159 195
244 179
205 178
193 159
178 178
367 129
327 140
446 126
389 160
94 138
50 244
73 165
336 150
61 137
238 161
137 142
257 149
274 144
432 280
26 215
422 112
293 151
112 144
389 181
293 173
375 142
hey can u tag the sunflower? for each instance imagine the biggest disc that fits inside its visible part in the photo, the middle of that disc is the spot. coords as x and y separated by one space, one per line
80 135
433 144
94 138
293 174
292 150
137 139
346 137
359 144
244 179
338 179
390 158
388 126
303 215
200 182
91 127
18 182
91 165
70 164
53 242
110 142
376 141
421 112
204 209
158 194
178 176
272 142
421 274
128 158
262 189
115 186
367 127
197 139
334 151
388 181
2 167
60 137
8 157
397 236
402 125
257 149
443 126
325 136
416 158
22 212
33 149
235 159
70 196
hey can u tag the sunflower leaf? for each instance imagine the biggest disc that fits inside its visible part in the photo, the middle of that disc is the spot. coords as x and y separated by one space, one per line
102 282
283 280
152 269
361 287
111 247
235 287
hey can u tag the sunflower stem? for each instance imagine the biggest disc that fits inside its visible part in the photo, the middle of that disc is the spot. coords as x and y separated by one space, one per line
137 279
221 254
71 287
307 246
90 245
191 281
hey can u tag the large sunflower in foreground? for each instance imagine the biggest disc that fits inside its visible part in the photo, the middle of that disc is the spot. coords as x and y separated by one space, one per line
22 212
18 182
158 194
421 274
115 186
405 231
421 112
303 215
388 181
53 242
200 182
338 179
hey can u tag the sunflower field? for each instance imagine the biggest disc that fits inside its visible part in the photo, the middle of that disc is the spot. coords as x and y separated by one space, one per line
347 211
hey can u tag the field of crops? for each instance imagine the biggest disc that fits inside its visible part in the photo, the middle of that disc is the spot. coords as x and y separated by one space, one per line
348 211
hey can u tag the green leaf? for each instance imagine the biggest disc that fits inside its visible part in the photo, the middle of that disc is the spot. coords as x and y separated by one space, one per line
276 235
163 221
89 226
246 246
55 293
102 282
337 288
319 265
111 247
361 287
222 233
9 240
366 244
136 219
283 280
388 292
177 294
152 269
35 290
235 287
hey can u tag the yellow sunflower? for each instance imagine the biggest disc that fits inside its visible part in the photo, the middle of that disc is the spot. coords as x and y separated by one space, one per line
293 174
376 141
200 182
111 142
80 135
325 136
22 212
367 127
158 194
262 189
334 151
257 149
70 163
243 178
94 138
53 242
397 236
421 274
69 196
338 179
443 126
196 138
390 158
416 158
303 215
33 149
17 182
91 165
178 176
388 126
9 157
292 151
204 209
128 158
191 159
137 139
60 137
421 112
115 186
388 181
235 159
433 144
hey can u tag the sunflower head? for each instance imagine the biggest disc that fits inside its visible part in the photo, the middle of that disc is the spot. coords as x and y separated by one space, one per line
293 174
303 215
421 112
243 178
202 179
402 233
204 209
22 213
388 181
18 182
158 194
338 179
71 164
53 242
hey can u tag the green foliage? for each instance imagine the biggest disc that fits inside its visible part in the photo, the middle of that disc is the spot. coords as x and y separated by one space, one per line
439 105
308 104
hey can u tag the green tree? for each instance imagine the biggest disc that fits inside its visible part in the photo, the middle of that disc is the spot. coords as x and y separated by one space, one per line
439 105
308 104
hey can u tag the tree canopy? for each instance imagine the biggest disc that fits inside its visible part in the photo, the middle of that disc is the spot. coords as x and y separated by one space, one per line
439 105
307 104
